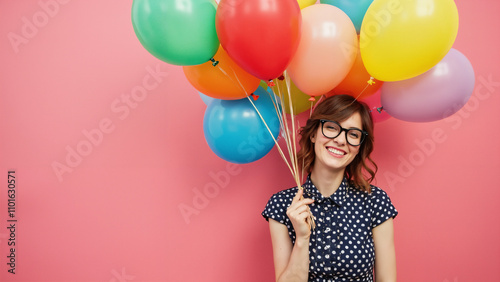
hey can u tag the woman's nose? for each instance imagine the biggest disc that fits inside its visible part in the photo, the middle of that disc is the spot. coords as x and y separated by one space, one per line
341 139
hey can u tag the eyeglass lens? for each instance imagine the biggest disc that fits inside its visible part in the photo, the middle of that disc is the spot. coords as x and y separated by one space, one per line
332 130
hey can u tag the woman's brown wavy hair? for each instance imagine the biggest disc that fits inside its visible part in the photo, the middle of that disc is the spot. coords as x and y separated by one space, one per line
339 108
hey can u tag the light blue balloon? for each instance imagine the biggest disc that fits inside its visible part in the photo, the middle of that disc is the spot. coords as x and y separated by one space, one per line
355 9
235 132
206 99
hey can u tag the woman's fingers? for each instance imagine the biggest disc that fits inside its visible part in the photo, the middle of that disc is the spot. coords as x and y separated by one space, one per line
298 200
308 201
298 196
299 213
301 209
299 205
303 202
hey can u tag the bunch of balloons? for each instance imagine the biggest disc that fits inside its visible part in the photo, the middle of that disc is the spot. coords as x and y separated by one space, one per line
396 55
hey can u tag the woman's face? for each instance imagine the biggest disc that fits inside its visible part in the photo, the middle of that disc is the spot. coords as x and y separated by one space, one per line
336 154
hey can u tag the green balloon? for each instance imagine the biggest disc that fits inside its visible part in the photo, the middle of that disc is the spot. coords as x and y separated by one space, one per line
179 32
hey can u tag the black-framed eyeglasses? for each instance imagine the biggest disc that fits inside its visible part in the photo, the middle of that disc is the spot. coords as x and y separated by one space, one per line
332 129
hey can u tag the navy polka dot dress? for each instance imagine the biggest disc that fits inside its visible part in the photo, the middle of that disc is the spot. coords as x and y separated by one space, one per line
341 246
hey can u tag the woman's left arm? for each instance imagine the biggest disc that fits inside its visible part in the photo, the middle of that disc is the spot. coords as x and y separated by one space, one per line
385 252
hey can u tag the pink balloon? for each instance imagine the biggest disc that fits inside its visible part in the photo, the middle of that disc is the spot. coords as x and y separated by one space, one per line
375 105
326 52
434 95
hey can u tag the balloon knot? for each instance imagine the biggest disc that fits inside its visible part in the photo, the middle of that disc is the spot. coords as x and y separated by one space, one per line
379 109
255 97
312 99
214 62
282 77
270 83
371 81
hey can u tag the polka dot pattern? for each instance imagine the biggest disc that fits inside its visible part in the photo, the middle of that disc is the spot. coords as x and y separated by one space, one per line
341 246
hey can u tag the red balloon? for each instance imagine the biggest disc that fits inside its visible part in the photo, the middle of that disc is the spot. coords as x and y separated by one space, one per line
261 36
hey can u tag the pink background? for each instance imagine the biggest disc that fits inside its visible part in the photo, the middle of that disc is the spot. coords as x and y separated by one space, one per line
116 214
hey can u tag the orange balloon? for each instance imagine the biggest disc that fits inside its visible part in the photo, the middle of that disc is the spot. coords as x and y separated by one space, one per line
225 81
357 81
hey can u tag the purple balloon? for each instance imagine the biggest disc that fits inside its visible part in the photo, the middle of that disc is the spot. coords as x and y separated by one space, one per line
433 95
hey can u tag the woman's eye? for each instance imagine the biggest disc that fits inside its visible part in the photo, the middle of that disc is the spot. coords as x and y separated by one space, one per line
354 134
333 128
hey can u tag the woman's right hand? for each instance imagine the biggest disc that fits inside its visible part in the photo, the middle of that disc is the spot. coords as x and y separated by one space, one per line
298 212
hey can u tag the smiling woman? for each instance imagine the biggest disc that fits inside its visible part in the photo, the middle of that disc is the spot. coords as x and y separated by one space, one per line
354 227
352 115
118 216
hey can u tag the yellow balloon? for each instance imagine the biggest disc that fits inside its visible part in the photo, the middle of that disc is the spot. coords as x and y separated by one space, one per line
300 100
401 39
263 84
305 3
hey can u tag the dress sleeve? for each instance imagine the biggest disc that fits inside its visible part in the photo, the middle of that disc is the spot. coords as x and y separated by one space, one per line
276 207
381 206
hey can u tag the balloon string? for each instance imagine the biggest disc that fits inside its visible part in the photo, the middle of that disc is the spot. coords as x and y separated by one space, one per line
290 139
360 93
368 83
280 112
317 103
292 143
292 115
259 114
287 136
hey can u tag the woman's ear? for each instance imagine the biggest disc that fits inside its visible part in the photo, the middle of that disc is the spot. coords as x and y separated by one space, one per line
313 138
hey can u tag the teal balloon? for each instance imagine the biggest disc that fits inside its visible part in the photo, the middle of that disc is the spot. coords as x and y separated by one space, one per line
235 132
355 9
179 32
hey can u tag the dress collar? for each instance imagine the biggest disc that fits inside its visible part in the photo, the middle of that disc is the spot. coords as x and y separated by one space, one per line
338 197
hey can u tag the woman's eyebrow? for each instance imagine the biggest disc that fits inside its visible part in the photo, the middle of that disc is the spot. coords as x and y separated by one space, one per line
352 127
